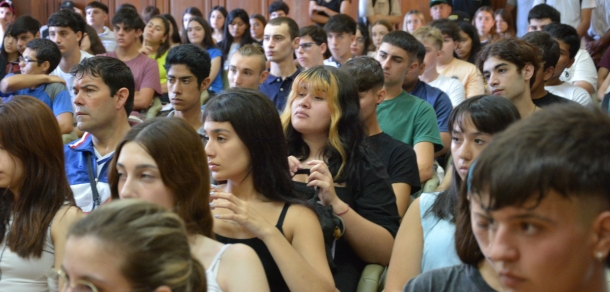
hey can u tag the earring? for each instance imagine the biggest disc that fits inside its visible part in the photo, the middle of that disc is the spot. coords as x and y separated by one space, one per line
600 256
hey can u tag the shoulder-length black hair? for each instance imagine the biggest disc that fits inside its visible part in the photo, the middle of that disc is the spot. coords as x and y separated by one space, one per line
258 126
227 38
471 31
490 114
208 41
346 133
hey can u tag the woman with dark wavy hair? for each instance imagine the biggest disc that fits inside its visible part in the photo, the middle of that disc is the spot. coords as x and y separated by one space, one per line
325 135
36 204
236 34
256 204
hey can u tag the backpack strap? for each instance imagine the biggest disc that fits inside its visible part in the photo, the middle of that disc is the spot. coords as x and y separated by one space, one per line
92 180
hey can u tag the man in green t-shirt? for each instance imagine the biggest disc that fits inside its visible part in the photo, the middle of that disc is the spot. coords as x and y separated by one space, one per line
403 116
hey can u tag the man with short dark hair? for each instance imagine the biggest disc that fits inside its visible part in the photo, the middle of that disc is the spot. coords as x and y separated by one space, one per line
569 46
549 50
66 29
575 13
39 58
188 75
543 183
7 16
280 40
542 15
104 88
509 66
398 158
97 15
24 29
128 27
247 68
341 32
277 9
312 46
403 116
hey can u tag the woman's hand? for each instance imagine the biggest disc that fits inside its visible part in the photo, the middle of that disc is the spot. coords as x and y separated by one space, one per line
321 178
243 214
146 50
293 165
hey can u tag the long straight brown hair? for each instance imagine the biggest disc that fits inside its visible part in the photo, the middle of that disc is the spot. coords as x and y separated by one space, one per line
179 154
30 133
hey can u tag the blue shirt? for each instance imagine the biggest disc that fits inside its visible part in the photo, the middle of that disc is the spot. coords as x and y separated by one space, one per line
54 95
277 89
439 100
216 85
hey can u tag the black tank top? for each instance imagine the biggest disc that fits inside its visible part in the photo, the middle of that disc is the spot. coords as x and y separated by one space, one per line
274 277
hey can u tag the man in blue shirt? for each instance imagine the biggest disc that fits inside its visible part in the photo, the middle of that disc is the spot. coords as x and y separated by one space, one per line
280 40
40 58
438 99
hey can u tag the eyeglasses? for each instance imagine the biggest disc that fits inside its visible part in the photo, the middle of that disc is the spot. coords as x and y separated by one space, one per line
28 60
307 46
57 277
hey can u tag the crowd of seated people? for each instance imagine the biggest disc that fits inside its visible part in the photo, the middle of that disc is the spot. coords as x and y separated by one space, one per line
229 151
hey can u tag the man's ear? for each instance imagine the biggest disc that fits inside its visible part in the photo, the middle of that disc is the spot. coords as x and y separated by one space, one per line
601 229
264 76
121 98
204 84
45 67
422 68
323 48
528 71
79 36
295 43
548 73
37 35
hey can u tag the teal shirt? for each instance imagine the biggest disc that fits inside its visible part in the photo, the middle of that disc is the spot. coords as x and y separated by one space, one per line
409 119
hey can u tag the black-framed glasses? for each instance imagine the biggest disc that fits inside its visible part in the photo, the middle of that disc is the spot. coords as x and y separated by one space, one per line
28 60
58 281
307 46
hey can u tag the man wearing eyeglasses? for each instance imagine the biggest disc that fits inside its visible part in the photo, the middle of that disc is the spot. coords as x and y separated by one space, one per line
312 46
280 40
39 58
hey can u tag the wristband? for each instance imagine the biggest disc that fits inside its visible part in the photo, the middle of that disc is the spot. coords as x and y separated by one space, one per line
339 214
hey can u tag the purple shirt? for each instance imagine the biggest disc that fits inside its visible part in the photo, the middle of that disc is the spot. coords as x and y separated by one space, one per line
605 61
145 72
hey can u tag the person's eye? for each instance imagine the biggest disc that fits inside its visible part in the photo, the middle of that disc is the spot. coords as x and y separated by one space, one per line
145 175
206 138
455 139
318 98
482 224
221 139
486 76
232 70
479 141
529 228
186 81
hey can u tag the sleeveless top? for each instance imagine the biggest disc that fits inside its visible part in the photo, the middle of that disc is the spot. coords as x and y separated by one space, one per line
439 237
274 277
19 274
212 272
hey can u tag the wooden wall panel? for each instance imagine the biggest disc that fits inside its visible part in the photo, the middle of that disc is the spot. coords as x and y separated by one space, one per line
41 10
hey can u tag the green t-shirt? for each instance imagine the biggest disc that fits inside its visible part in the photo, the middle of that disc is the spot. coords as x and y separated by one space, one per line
409 119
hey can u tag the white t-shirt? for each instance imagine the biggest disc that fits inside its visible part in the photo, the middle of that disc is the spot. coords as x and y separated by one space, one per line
569 9
523 9
583 69
107 38
600 19
452 87
68 77
570 92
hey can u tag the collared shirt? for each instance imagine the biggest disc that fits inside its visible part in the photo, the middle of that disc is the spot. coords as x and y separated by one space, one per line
334 63
277 89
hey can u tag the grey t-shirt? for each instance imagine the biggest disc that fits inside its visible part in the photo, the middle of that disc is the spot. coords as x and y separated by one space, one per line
451 279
